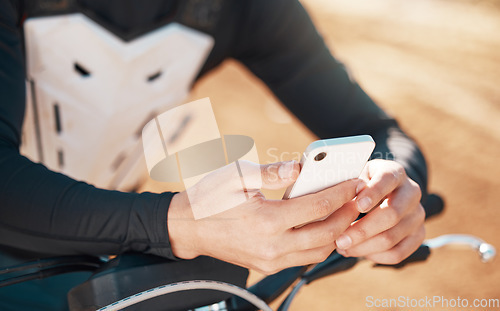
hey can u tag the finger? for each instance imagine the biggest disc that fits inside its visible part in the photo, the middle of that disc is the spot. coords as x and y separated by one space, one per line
310 256
387 239
322 233
383 180
401 251
307 208
383 217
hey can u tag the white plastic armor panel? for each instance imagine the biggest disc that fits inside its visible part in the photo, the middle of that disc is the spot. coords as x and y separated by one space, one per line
93 93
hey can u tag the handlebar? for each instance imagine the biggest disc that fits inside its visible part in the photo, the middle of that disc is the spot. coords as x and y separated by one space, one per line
486 251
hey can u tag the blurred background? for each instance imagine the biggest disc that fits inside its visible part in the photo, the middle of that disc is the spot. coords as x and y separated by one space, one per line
435 66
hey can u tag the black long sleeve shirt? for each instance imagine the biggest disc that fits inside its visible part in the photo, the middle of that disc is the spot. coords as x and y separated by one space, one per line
46 212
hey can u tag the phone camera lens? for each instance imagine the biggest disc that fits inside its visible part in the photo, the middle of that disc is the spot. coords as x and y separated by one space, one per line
320 156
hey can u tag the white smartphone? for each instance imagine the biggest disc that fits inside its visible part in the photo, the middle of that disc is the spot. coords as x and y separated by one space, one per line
328 162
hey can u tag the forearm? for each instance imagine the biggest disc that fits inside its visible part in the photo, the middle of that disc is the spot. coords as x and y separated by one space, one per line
47 212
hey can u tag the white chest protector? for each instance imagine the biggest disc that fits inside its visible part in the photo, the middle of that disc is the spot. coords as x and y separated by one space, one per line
90 94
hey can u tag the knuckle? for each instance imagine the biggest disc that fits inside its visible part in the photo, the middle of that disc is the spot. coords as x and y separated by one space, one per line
344 192
421 234
345 253
269 253
272 268
360 233
388 239
396 175
421 214
377 194
389 176
321 207
393 215
396 257
399 171
274 271
416 191
266 268
268 226
327 237
399 257
322 255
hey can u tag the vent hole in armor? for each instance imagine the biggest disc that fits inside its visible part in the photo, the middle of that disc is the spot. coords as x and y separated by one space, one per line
150 117
82 71
60 158
154 76
57 118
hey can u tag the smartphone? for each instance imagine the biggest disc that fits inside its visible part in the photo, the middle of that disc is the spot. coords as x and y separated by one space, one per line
328 162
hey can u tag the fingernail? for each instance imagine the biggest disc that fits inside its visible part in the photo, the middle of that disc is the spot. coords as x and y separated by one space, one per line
364 204
343 241
286 170
361 185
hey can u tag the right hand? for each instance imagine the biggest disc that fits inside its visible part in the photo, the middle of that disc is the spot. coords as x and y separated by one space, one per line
259 234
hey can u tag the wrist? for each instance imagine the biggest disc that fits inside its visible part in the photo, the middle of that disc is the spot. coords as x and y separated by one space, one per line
182 229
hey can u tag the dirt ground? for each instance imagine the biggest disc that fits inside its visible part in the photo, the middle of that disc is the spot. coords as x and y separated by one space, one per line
435 65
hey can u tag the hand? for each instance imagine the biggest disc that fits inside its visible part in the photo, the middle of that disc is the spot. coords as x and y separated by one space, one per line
259 234
393 229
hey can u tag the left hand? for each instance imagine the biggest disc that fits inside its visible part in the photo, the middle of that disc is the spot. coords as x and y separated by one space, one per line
394 226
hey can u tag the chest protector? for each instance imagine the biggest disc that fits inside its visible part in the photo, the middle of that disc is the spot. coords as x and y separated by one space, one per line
90 94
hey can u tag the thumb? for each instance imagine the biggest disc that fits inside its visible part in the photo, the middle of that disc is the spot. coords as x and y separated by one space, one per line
279 175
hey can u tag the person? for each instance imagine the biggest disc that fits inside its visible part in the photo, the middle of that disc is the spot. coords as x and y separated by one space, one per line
45 213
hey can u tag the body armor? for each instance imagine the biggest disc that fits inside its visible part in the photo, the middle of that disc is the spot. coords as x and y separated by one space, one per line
90 94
